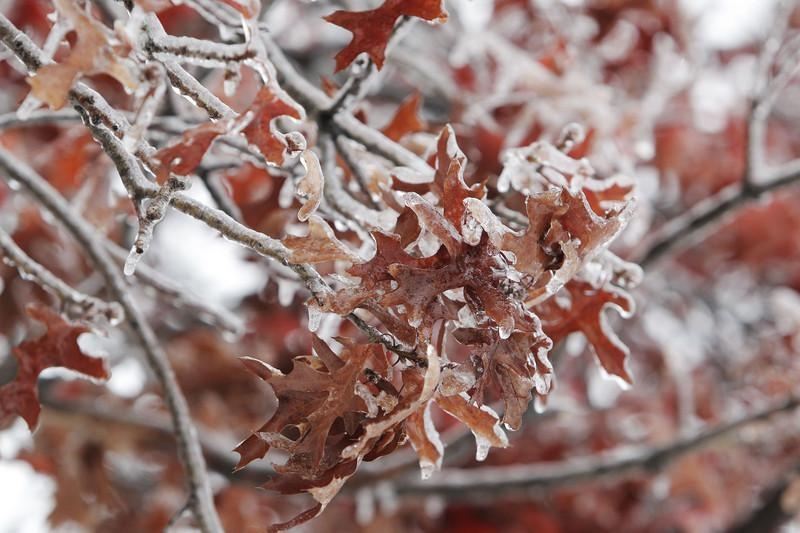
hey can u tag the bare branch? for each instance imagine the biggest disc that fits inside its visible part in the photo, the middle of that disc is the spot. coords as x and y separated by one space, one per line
189 449
770 514
358 173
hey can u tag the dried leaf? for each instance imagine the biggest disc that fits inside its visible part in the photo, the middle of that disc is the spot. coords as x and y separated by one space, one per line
310 187
482 421
185 155
425 440
517 366
310 399
584 313
91 54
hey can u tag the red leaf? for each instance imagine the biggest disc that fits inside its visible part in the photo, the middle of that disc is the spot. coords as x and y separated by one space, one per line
372 29
58 347
517 366
319 246
406 119
425 440
259 131
585 314
310 398
184 156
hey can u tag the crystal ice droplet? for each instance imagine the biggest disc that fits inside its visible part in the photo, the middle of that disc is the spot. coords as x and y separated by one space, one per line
285 293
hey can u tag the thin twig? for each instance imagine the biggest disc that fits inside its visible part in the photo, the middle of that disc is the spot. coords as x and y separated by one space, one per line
189 450
356 170
770 514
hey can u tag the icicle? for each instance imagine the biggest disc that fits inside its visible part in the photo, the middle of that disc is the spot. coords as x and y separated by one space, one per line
132 261
314 318
286 290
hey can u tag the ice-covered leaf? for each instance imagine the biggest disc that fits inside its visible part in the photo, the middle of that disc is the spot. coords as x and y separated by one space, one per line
185 155
57 347
517 366
319 245
311 398
259 124
372 29
425 439
482 421
584 313
563 232
448 181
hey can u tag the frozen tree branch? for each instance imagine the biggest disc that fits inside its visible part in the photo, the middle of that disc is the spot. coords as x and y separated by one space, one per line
189 451
692 226
519 479
196 92
345 153
76 303
218 454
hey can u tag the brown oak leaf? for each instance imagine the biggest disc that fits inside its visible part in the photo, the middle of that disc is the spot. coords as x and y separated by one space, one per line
517 366
319 245
318 391
91 54
185 155
481 420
